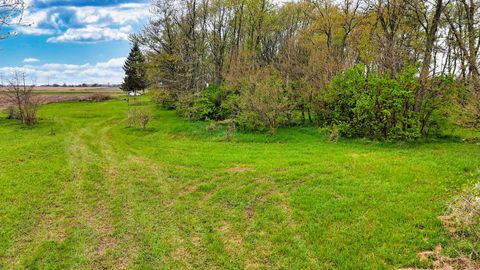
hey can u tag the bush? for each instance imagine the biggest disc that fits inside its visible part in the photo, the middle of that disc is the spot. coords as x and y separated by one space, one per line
437 104
356 103
378 106
470 108
333 133
229 125
463 220
370 105
162 96
264 103
97 97
13 113
184 106
139 117
24 104
212 103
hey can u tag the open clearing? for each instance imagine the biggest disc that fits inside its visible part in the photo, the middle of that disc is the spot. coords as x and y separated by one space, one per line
81 190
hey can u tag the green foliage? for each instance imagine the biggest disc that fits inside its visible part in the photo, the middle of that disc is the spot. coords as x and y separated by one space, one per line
314 48
466 104
378 106
332 133
438 104
264 103
135 71
162 96
139 117
212 103
356 103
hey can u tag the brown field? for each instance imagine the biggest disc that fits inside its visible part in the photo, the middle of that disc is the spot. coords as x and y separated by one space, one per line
49 94
54 98
78 89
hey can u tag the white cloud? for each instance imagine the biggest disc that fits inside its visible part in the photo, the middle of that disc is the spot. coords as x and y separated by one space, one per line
113 63
33 20
93 34
85 23
30 60
123 14
103 72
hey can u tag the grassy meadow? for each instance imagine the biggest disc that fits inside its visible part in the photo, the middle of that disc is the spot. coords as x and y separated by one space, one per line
81 190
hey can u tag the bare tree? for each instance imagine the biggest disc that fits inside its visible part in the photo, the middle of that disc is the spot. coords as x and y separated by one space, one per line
428 16
20 96
11 12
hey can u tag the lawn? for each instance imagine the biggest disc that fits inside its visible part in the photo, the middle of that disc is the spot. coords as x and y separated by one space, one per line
81 190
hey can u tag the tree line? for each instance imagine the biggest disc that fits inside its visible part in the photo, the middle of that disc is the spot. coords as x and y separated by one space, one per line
362 68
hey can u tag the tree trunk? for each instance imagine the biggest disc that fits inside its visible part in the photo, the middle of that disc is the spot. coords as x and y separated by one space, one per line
427 59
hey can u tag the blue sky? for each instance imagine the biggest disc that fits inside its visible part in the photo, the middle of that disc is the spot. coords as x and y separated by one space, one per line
73 41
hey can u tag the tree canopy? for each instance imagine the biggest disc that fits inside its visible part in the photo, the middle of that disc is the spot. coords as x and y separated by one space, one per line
313 46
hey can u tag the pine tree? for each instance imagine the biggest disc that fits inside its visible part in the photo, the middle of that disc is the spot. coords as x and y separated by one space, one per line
135 73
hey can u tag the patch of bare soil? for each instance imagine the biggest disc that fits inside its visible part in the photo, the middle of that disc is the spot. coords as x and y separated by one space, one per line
180 254
196 240
447 223
238 169
249 212
232 240
440 262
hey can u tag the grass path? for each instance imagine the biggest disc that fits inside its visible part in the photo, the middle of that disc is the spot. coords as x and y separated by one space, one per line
86 192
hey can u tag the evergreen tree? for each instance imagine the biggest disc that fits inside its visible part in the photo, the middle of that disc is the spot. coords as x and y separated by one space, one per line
135 73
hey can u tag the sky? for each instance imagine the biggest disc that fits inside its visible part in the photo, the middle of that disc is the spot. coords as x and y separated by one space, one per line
73 41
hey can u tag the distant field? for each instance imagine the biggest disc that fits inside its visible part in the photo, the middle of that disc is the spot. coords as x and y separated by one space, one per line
81 190
63 94
77 89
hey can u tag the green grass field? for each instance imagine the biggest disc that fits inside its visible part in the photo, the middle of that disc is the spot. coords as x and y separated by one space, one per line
81 190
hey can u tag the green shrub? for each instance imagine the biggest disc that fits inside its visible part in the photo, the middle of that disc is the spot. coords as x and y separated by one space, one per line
436 105
250 121
139 117
13 113
264 103
185 106
378 106
333 133
162 96
212 103
229 125
466 105
356 103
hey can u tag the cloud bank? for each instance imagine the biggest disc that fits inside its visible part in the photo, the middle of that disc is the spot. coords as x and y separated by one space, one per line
103 72
84 20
